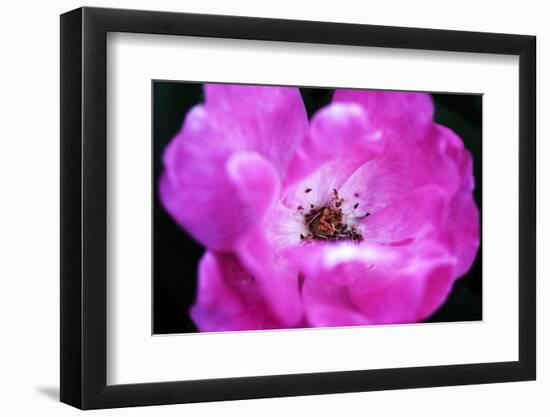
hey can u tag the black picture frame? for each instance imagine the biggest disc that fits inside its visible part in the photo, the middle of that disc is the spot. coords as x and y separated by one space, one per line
84 207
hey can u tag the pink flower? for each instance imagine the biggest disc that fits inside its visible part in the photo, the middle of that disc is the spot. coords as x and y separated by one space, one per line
364 215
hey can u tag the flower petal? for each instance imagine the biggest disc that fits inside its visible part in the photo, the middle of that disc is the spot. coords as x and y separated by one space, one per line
416 214
463 231
228 297
374 284
329 306
195 187
463 227
269 120
401 169
392 112
407 290
257 185
198 185
341 135
277 279
437 287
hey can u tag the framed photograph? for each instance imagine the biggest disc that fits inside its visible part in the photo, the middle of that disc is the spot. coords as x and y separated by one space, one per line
257 208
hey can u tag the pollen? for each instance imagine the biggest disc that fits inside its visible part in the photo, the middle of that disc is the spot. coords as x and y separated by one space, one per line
327 223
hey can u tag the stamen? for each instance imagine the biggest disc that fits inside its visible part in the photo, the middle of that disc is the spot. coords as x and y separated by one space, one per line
327 222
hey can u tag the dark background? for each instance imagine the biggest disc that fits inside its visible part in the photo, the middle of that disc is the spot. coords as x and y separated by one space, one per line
176 254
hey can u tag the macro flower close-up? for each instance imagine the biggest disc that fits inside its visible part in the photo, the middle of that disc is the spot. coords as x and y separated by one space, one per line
361 214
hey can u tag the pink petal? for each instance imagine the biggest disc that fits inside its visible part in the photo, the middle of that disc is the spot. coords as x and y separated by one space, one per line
402 169
418 153
228 297
195 187
463 231
341 135
437 287
257 186
198 186
269 120
329 306
347 284
277 280
411 217
393 112
413 286
255 183
463 227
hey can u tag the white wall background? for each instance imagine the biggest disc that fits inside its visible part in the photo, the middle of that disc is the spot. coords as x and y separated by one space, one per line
29 208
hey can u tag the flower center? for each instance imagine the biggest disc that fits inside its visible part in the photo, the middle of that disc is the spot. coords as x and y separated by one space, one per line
327 222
